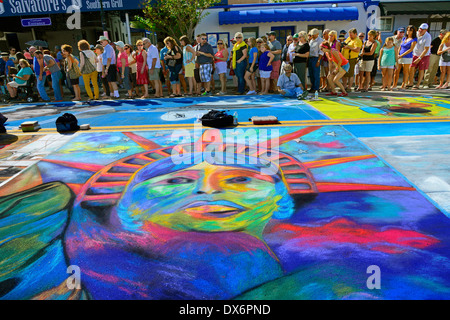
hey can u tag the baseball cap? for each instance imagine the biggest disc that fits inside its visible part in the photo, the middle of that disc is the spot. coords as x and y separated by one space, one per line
423 26
271 33
401 29
5 54
119 44
295 35
443 31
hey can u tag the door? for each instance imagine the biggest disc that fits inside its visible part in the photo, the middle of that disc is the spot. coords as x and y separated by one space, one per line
283 32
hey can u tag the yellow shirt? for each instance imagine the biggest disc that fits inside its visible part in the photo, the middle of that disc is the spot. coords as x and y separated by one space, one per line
355 43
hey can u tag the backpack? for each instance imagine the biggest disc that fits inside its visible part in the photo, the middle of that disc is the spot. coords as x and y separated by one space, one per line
2 123
217 119
67 122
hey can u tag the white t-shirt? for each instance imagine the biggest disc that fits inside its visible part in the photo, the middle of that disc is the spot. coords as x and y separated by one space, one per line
291 51
99 63
422 42
152 52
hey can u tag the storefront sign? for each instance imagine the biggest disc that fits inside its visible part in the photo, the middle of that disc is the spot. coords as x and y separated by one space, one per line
36 22
39 7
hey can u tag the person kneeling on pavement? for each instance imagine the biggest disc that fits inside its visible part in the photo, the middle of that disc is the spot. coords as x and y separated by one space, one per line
289 84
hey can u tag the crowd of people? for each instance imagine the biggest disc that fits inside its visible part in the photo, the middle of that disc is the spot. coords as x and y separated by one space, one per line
258 65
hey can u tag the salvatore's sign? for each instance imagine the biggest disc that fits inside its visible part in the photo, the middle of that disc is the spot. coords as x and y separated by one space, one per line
45 7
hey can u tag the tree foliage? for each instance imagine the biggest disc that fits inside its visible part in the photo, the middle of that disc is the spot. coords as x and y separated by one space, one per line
175 17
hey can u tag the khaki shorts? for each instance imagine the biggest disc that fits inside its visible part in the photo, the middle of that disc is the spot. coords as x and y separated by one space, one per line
189 70
351 71
155 75
366 66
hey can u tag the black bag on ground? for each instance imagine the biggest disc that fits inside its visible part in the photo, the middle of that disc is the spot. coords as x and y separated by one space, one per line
217 119
2 123
67 122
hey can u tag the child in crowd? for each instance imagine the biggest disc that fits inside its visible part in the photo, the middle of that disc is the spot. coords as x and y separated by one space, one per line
387 62
265 67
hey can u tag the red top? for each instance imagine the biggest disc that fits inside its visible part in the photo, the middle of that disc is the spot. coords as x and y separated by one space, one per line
331 57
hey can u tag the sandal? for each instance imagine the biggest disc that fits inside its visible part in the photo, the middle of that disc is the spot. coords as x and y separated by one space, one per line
331 94
342 94
415 87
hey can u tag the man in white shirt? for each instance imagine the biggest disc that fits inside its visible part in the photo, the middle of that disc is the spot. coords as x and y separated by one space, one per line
421 54
154 66
315 55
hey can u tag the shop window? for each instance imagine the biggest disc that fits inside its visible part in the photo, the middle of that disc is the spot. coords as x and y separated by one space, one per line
214 37
249 32
386 24
319 27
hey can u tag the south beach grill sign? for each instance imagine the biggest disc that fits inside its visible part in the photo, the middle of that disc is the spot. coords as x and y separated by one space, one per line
37 7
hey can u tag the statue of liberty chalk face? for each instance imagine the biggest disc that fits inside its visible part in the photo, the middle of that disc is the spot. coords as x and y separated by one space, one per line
205 197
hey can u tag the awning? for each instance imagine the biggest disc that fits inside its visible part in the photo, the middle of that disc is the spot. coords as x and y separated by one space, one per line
413 7
282 15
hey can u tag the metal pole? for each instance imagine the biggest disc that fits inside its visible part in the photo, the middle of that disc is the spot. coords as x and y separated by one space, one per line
127 21
102 15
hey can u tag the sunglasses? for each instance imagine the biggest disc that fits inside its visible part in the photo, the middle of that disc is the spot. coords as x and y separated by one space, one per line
238 37
203 38
140 45
219 43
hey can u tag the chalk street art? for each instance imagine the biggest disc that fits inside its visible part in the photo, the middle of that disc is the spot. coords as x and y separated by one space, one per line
139 226
158 111
378 107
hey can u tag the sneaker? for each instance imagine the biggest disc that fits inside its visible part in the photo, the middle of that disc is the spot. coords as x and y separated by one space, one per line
303 96
220 93
251 92
426 87
206 93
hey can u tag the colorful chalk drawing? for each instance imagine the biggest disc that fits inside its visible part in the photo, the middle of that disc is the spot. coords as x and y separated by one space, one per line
140 226
159 111
357 107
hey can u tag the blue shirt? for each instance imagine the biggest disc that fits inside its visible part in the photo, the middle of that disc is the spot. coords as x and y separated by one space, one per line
162 53
36 66
250 55
108 52
264 60
23 72
2 66
289 83
9 63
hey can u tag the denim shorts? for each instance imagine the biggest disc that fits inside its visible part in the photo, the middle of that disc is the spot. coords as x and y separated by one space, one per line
346 67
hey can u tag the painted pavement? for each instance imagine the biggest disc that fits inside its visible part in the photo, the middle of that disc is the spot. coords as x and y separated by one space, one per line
173 210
